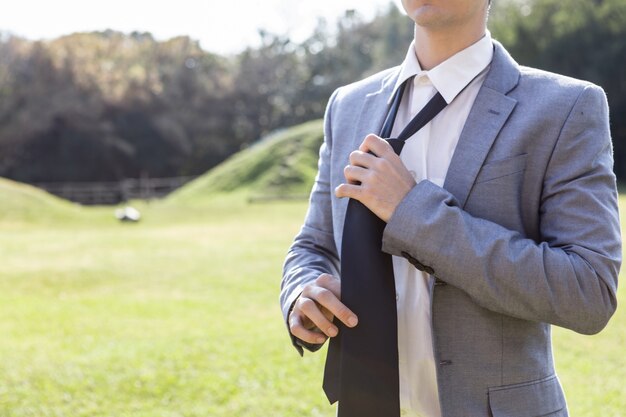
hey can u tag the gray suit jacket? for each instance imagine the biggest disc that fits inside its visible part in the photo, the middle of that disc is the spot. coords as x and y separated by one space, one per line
524 233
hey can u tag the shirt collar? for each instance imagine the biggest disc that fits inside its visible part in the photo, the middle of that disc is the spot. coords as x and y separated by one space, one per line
451 76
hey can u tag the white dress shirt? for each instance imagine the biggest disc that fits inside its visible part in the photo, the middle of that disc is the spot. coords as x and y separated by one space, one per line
427 155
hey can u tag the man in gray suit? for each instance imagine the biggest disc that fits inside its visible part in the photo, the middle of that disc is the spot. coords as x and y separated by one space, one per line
501 216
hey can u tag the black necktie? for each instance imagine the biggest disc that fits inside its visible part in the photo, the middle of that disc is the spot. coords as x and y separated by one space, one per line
362 363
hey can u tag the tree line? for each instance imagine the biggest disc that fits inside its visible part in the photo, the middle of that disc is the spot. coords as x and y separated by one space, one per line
105 106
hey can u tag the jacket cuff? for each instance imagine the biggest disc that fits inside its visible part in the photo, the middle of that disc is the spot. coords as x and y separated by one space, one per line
411 232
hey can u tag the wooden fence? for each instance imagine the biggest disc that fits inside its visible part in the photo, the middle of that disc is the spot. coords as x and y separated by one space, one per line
90 193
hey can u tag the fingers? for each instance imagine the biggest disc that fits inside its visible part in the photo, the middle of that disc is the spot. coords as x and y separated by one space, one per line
377 145
299 330
363 159
326 292
349 190
313 312
374 154
331 283
355 174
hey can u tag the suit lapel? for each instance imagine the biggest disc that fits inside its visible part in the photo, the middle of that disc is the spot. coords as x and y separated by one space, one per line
374 110
369 120
488 115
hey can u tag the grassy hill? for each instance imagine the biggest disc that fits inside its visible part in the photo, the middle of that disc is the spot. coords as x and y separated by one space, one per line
280 165
24 203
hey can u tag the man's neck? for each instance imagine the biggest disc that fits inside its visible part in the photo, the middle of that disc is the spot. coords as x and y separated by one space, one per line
435 46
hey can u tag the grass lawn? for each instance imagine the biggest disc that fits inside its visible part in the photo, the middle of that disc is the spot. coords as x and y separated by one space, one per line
178 316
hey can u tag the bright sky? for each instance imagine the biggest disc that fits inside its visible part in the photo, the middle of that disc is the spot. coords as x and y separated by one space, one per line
223 26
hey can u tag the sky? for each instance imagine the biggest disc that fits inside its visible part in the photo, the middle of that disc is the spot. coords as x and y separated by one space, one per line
221 26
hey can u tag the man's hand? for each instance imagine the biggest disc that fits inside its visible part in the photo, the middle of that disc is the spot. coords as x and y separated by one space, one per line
310 319
384 180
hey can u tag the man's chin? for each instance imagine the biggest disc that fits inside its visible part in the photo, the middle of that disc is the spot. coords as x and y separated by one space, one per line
429 16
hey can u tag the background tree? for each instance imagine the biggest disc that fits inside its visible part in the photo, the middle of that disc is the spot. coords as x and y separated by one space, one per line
106 105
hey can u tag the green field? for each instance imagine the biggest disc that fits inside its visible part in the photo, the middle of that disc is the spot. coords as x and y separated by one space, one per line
178 316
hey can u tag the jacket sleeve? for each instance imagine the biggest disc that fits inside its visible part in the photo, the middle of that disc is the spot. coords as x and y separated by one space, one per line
568 277
313 251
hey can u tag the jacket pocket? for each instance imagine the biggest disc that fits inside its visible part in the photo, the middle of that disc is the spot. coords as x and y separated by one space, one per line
502 168
537 398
